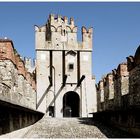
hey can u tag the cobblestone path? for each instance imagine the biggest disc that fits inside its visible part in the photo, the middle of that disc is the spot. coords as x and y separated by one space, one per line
72 128
63 128
67 128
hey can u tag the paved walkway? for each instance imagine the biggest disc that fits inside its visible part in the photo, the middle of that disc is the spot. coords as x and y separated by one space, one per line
63 128
66 128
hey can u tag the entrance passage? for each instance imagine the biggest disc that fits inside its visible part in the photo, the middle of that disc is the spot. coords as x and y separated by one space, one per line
71 104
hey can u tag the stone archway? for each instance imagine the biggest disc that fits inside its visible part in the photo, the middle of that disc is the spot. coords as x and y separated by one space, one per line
71 104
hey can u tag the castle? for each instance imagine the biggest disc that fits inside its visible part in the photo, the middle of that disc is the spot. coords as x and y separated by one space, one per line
61 78
60 83
65 85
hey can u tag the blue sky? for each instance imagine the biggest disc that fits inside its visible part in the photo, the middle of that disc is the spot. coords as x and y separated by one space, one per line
116 27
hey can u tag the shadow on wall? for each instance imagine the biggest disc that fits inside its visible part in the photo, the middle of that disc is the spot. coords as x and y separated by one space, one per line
123 112
14 117
106 129
43 96
53 101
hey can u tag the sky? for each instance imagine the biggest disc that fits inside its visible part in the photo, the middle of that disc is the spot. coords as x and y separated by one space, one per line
116 28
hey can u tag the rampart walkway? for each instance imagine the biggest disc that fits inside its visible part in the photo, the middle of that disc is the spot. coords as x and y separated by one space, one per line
67 128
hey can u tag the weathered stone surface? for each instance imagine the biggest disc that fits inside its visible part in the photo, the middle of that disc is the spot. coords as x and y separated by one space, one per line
16 84
62 62
114 86
134 88
67 128
14 116
124 107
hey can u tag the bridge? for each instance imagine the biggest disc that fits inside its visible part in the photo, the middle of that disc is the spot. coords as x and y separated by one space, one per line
118 98
68 128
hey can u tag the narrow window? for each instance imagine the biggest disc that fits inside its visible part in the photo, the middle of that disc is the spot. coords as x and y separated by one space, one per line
71 66
64 32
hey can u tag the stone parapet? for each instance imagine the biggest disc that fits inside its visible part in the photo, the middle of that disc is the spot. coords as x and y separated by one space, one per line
121 87
112 87
20 65
58 31
7 50
17 85
134 78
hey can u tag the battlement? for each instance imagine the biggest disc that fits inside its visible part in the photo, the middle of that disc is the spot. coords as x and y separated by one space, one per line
115 74
88 31
8 52
109 78
100 85
28 61
61 33
133 61
87 36
60 19
130 62
122 69
137 56
57 23
29 64
118 83
122 91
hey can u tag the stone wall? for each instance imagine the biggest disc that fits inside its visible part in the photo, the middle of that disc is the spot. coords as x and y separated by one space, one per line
17 90
63 65
17 85
118 95
14 117
112 87
134 78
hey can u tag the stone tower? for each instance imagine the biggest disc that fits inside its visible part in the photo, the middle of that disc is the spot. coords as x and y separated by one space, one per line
65 87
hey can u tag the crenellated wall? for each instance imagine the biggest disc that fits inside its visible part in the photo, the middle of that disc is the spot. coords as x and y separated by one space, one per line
112 87
61 34
125 80
64 65
134 78
118 96
17 85
17 90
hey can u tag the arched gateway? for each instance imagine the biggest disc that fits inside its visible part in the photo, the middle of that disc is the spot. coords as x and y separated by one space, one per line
63 64
71 104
